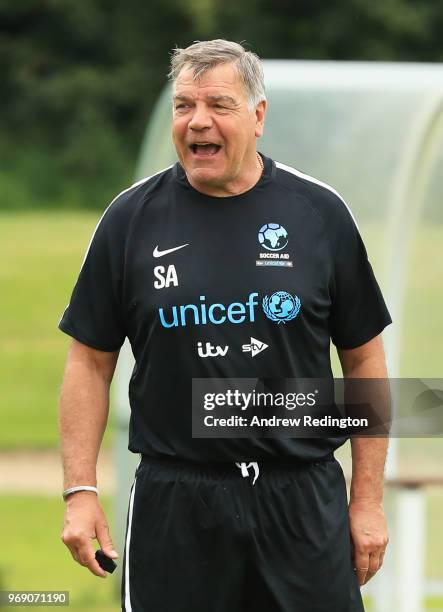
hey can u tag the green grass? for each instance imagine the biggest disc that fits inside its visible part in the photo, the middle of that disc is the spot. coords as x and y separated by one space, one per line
35 558
421 320
40 258
422 325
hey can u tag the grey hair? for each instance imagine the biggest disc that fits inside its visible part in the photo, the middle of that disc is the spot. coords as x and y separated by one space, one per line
206 54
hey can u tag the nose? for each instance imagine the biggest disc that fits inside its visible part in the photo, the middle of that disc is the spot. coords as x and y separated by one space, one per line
200 119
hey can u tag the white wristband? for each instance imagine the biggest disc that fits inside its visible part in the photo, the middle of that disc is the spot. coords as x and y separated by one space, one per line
67 492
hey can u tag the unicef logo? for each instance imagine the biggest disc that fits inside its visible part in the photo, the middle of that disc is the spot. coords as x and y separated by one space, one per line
273 236
281 306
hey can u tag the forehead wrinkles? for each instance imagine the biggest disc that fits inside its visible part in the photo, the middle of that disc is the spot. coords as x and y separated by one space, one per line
206 96
187 85
201 91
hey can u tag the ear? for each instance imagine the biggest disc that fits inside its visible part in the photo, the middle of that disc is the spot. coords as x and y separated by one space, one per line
260 112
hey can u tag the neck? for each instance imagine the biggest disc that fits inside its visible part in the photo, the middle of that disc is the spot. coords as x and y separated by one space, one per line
239 185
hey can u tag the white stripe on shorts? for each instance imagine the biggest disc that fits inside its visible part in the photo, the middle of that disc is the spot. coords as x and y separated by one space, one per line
128 606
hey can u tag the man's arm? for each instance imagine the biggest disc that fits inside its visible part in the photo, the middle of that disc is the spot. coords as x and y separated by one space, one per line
84 407
367 521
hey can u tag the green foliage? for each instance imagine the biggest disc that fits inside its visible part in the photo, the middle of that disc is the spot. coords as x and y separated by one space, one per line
80 78
79 81
405 30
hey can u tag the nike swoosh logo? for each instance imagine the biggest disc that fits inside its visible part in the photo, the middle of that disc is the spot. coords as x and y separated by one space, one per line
157 253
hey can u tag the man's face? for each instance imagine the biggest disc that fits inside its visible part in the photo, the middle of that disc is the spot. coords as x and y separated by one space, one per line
213 129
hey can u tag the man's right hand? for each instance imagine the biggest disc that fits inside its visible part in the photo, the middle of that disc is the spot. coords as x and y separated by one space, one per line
85 521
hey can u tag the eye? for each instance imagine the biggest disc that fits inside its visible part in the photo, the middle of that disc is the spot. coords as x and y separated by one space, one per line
181 105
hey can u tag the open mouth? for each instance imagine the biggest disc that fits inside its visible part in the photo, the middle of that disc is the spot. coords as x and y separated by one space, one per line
207 149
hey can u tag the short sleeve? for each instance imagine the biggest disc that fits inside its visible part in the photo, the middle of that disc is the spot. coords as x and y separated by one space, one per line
358 310
94 314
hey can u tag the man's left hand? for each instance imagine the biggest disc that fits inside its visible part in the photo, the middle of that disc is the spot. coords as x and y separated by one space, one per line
369 536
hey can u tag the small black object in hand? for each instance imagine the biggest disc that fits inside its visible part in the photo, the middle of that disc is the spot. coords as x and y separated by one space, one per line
104 561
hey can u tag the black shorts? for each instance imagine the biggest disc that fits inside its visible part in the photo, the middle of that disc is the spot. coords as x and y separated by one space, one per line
203 538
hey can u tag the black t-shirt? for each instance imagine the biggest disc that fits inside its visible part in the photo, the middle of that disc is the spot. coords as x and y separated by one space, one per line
194 280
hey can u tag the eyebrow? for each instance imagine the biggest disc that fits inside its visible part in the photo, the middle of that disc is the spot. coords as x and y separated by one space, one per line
214 98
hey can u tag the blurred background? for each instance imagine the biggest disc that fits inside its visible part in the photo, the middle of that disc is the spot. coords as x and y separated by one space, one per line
84 111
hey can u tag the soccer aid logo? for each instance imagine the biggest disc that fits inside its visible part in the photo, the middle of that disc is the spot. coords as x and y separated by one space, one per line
281 306
273 237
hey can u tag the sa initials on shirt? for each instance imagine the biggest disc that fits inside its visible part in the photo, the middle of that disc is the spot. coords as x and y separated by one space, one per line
166 277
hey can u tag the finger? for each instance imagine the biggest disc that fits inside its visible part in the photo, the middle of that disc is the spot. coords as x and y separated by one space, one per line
361 575
86 556
105 540
374 564
361 566
382 557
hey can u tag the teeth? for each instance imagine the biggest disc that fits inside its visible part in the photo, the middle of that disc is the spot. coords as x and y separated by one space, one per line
214 146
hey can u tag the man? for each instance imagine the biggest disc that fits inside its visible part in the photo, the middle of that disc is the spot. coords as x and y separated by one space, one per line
224 524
